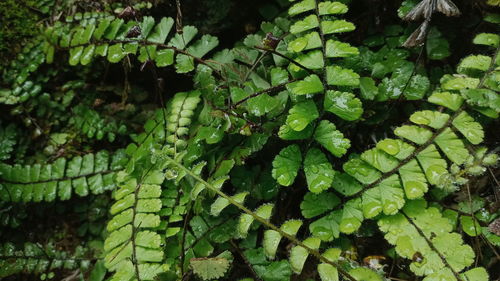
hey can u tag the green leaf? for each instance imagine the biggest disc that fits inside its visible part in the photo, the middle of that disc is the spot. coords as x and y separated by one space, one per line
447 99
386 197
346 185
482 97
181 40
414 181
352 216
469 128
310 85
287 133
311 60
116 53
368 89
298 254
327 228
343 104
364 274
337 49
470 226
286 165
380 160
301 7
415 134
433 119
318 170
452 146
309 41
488 39
301 115
479 62
476 274
338 76
361 171
307 23
317 204
161 30
203 46
209 268
332 139
164 57
337 26
332 8
328 272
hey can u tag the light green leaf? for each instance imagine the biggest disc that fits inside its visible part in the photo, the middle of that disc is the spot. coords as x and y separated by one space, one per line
380 160
209 268
346 185
415 134
302 6
471 130
352 216
364 274
328 272
479 62
433 119
161 30
309 41
332 8
488 39
470 226
452 146
337 26
447 99
307 23
337 49
386 197
361 171
298 254
414 181
116 53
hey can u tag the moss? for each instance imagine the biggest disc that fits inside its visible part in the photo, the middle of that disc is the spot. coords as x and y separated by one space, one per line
17 24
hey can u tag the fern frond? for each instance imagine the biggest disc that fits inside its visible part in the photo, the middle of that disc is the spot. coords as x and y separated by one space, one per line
424 236
262 214
33 258
133 246
81 175
115 38
21 83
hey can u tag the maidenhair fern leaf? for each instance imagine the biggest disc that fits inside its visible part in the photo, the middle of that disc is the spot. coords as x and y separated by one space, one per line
330 138
92 173
310 85
319 172
298 254
447 252
286 165
301 115
316 204
343 104
209 268
32 258
115 39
